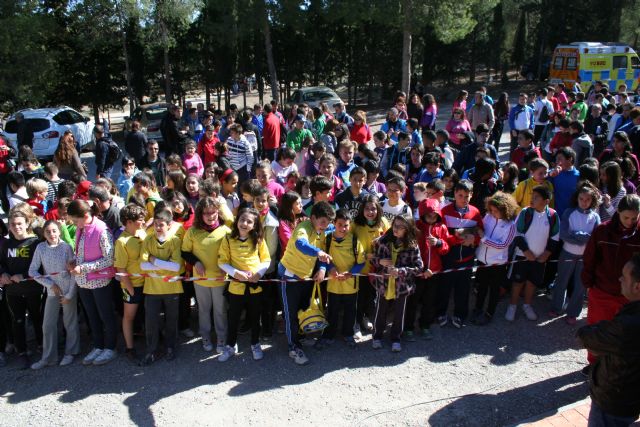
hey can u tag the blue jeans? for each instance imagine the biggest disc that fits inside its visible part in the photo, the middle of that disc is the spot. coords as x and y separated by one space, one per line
295 296
599 418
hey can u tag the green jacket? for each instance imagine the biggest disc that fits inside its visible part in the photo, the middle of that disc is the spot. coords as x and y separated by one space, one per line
295 138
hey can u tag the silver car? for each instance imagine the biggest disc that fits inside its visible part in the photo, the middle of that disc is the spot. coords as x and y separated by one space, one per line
313 96
48 125
149 116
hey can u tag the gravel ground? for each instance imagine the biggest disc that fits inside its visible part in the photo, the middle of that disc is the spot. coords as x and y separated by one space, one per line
478 376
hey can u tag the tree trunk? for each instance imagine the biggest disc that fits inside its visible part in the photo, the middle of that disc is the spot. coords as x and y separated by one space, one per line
472 60
167 67
219 98
268 47
96 114
406 46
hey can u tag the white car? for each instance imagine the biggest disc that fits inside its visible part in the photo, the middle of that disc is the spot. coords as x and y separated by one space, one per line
313 96
48 125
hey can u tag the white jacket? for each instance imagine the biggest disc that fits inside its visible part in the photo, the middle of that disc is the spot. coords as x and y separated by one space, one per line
494 246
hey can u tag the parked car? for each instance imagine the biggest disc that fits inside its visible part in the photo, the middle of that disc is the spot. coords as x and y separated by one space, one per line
149 116
48 125
313 96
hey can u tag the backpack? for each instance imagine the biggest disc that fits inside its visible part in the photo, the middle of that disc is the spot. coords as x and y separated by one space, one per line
252 139
528 219
544 114
114 152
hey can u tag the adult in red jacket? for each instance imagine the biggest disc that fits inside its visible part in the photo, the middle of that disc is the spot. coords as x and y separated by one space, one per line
610 247
270 133
360 132
432 241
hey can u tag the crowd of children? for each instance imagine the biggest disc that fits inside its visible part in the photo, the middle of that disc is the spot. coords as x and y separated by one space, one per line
248 221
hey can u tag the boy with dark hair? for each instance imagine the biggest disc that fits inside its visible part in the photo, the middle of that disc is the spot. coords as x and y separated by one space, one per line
161 254
350 198
346 151
432 169
53 182
582 144
320 188
31 168
564 179
394 205
462 220
306 247
538 235
348 258
109 212
525 145
127 260
413 129
17 189
397 153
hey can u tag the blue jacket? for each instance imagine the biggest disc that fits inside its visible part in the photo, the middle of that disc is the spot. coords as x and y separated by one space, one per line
399 126
258 121
514 115
416 138
564 185
466 159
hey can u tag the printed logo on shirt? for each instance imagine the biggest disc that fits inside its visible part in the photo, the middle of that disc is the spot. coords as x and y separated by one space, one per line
23 252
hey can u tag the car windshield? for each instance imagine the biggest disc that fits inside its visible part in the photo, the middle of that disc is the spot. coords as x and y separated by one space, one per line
318 95
37 125
155 114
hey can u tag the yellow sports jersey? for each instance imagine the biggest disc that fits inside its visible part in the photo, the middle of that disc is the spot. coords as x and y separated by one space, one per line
226 214
391 286
524 192
206 247
170 250
127 255
241 255
295 261
175 229
344 259
366 235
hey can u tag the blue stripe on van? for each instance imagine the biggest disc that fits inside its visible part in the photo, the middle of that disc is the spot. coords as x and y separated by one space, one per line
586 76
604 75
622 73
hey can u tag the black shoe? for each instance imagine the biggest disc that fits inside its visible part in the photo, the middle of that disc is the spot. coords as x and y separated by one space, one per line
131 355
171 354
149 359
23 361
586 371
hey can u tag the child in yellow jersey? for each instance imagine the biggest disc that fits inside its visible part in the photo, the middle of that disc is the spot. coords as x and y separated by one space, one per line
305 249
244 256
397 256
201 248
161 255
348 258
127 260
368 225
538 170
144 187
269 289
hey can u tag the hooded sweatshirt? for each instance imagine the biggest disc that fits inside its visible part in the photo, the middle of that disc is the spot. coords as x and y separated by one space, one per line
15 258
432 255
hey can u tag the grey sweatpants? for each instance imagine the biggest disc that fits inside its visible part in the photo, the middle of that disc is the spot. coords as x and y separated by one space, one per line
208 299
50 328
569 267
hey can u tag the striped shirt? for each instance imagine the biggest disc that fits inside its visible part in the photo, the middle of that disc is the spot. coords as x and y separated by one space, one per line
240 153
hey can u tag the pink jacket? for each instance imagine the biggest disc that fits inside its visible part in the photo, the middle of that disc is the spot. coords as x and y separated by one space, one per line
92 249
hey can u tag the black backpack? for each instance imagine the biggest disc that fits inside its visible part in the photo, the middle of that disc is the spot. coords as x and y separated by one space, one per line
544 114
115 153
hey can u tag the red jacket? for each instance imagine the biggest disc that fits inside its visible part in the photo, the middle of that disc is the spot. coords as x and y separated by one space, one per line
469 221
608 250
206 149
432 255
271 132
5 156
361 133
518 154
560 140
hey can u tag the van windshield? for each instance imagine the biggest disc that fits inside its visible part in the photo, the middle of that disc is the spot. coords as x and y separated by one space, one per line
558 62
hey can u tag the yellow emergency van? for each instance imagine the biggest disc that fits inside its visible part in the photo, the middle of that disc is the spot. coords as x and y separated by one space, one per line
586 62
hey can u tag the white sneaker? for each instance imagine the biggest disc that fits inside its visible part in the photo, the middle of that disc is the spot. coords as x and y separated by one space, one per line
357 333
41 364
206 345
366 323
93 354
298 356
226 353
511 312
396 347
257 352
529 312
66 360
105 357
376 344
